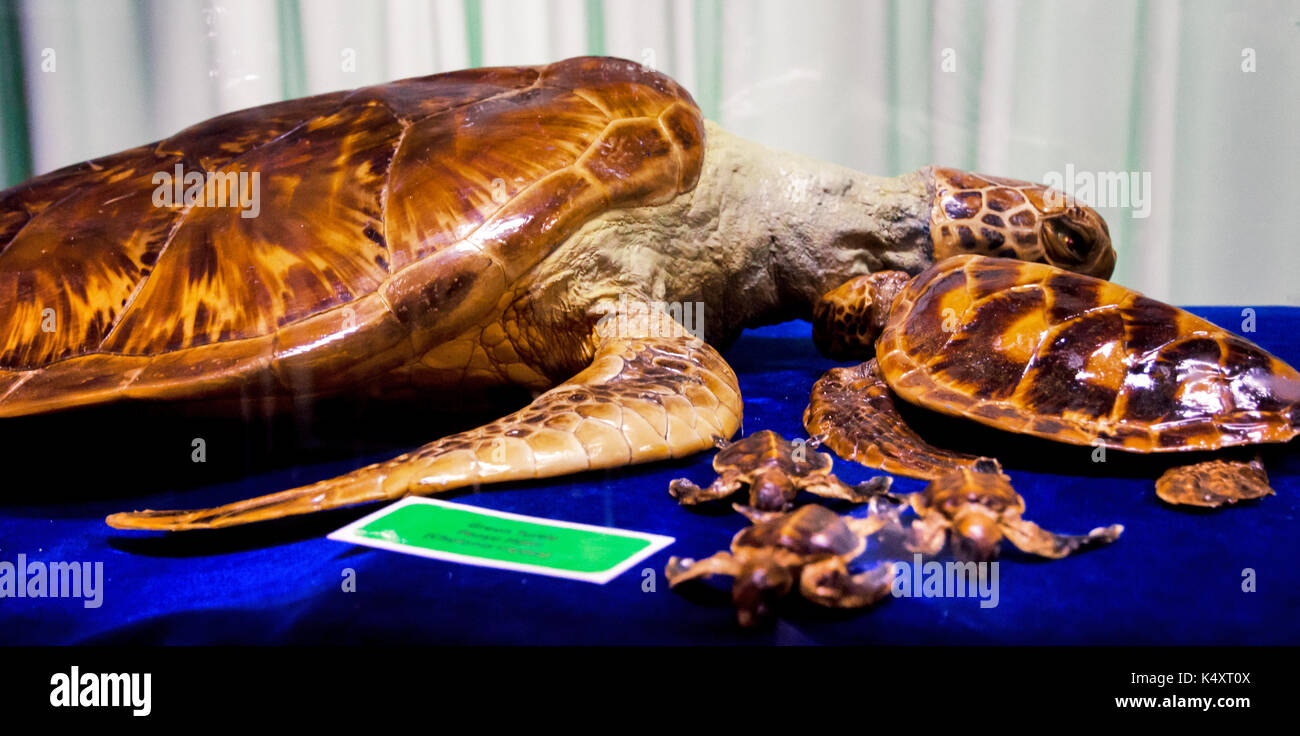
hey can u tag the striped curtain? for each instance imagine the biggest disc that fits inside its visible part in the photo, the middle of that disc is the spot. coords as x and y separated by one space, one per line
1202 98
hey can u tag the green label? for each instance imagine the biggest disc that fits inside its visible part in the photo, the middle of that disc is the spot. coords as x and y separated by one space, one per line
475 536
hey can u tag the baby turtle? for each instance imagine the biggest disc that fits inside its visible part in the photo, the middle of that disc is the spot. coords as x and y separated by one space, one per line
557 229
1034 349
1214 482
978 507
811 545
774 470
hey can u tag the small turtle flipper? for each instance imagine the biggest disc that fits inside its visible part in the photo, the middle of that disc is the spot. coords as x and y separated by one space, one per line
1214 483
927 535
853 409
832 487
689 494
680 570
884 511
756 515
1035 540
828 583
641 399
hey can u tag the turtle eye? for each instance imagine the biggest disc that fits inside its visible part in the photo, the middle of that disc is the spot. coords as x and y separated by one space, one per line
1065 242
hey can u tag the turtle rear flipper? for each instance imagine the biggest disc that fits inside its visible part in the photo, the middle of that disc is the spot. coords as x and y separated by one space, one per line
854 410
641 399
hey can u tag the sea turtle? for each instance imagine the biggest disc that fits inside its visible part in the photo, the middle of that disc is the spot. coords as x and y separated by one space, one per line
774 470
555 228
811 546
977 507
1034 349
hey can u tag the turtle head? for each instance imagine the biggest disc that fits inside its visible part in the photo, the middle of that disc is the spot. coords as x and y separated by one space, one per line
760 582
977 534
772 490
1008 218
848 319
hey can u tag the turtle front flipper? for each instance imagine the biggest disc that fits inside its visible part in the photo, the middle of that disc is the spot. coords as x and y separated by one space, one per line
927 535
853 410
867 490
1214 483
641 399
689 494
680 570
1031 538
884 511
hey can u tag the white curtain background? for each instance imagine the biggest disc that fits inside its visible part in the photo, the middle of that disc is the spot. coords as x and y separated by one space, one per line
1205 96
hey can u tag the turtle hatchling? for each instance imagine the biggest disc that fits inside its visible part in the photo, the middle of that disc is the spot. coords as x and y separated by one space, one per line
774 470
575 230
810 547
977 507
1038 350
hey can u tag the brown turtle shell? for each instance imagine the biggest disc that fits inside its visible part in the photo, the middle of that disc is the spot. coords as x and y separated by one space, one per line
809 531
765 450
389 217
1035 349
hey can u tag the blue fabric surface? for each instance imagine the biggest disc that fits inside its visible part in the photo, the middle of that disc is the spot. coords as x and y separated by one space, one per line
1175 577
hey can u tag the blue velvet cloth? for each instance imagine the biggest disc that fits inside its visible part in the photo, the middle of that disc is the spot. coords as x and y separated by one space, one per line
1175 577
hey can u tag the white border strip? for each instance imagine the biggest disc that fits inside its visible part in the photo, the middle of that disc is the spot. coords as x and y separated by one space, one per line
349 534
